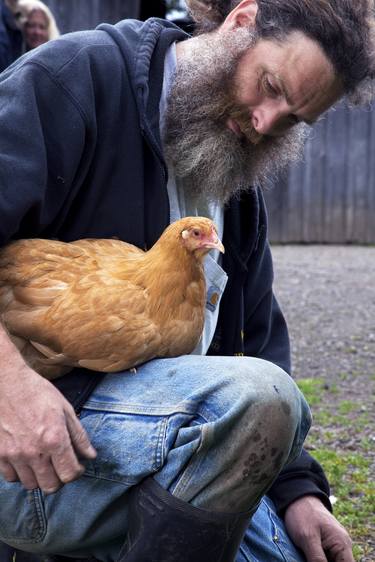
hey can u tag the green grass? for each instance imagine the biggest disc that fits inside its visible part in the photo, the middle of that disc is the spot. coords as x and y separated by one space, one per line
312 389
348 471
351 484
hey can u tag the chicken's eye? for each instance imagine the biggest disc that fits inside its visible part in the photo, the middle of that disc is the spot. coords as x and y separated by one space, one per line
196 232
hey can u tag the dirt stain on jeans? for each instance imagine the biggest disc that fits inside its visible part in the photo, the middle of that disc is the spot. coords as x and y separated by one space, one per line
286 408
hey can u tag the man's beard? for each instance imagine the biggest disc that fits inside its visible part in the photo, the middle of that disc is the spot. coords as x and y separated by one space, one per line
210 158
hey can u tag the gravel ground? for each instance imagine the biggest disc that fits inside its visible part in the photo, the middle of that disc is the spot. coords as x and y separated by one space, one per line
328 297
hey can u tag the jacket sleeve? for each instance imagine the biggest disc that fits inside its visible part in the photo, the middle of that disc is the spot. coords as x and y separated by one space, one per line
302 477
41 145
266 336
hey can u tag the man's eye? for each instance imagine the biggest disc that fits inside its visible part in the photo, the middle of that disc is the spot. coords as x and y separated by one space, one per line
270 88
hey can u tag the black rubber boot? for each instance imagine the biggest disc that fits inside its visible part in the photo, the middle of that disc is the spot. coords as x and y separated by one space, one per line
163 528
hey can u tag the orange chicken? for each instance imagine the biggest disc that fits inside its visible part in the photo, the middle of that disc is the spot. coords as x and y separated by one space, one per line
104 304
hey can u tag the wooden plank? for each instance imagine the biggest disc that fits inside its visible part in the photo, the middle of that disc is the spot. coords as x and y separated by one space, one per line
357 171
312 186
335 183
370 231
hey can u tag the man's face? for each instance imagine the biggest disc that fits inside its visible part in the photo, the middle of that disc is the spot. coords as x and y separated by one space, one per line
237 110
279 84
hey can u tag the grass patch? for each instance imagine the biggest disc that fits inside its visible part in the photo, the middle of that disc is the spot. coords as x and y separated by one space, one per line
312 389
350 479
349 472
347 406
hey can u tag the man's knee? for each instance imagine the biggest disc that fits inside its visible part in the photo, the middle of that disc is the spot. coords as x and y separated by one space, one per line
256 421
253 381
266 407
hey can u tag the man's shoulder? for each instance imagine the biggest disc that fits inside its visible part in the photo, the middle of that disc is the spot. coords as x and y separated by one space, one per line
105 48
71 49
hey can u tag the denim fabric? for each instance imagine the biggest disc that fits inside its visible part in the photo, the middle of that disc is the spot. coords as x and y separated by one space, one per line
214 431
266 539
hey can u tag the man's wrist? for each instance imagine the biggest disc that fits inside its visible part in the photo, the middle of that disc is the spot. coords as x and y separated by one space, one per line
12 363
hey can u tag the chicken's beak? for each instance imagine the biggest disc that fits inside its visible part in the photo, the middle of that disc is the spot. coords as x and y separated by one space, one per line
214 243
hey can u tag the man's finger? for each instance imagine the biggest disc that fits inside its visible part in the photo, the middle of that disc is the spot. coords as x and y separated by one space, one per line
67 466
8 472
79 438
313 550
45 474
26 476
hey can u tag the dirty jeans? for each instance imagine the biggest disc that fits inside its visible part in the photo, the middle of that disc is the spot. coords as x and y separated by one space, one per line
214 431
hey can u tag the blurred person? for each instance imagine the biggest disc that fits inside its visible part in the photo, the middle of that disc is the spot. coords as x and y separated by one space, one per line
37 22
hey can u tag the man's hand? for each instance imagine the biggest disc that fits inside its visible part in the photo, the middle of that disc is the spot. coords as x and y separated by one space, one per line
40 435
316 531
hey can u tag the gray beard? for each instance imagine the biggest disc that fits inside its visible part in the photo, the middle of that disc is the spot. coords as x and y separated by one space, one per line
208 157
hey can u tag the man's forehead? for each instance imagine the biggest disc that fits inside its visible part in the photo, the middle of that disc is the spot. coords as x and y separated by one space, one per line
302 72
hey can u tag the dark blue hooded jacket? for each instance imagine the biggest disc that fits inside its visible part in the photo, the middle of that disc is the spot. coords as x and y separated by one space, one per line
80 156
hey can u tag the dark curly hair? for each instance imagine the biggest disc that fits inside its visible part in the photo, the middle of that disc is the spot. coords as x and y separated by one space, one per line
343 28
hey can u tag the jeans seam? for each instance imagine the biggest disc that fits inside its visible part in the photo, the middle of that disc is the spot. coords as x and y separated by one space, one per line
275 535
190 469
40 516
38 501
138 409
160 446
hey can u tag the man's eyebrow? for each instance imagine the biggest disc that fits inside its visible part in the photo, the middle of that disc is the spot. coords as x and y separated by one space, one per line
283 88
309 122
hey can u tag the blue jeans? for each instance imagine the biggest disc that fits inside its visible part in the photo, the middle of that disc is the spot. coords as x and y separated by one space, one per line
266 539
214 431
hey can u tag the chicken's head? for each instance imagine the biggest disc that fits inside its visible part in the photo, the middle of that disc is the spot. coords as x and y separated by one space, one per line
199 235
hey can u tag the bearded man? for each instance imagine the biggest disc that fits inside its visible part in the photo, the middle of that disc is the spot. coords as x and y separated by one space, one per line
117 132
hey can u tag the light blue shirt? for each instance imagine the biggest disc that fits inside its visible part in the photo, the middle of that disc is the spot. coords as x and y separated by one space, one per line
181 205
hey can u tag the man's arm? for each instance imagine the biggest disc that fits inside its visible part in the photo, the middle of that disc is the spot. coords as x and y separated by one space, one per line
42 141
316 531
266 336
41 438
301 492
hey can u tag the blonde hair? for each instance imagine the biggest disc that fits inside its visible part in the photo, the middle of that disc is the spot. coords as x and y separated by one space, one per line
26 7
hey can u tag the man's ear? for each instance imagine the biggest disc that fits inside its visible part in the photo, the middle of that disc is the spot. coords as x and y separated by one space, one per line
243 15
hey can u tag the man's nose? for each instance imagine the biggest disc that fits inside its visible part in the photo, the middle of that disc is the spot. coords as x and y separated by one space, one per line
269 120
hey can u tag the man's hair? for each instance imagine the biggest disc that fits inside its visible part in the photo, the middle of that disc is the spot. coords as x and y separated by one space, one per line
344 29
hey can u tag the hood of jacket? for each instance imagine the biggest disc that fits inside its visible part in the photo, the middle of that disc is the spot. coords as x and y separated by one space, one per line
145 44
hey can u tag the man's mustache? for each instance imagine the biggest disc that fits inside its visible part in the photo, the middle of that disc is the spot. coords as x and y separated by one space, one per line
243 121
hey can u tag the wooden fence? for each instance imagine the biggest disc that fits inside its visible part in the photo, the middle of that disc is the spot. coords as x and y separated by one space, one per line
330 196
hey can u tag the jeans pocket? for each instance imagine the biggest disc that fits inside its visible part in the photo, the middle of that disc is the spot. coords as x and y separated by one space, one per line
129 447
22 517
